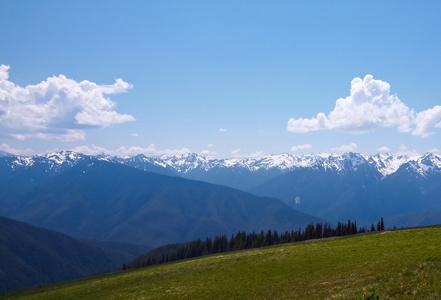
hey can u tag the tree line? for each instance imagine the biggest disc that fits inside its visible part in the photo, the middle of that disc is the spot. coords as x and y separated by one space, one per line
242 240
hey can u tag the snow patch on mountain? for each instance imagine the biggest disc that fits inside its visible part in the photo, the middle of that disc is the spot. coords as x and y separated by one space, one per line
388 164
385 164
22 161
427 164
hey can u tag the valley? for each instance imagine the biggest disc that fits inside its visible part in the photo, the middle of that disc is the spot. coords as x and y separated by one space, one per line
100 201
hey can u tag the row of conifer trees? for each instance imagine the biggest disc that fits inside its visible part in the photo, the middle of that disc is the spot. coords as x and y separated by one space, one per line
242 240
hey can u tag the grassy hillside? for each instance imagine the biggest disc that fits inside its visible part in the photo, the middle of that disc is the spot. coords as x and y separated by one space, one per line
403 264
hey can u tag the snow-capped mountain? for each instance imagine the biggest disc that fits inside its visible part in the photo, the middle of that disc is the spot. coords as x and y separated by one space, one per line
331 186
239 172
50 162
424 166
388 164
385 164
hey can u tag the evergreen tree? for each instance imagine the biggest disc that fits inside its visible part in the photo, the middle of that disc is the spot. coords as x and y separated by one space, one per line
242 240
318 231
268 238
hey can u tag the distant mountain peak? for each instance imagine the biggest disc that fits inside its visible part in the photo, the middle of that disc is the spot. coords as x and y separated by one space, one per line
386 164
4 153
427 164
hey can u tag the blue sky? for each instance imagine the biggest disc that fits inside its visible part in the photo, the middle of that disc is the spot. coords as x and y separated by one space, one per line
225 78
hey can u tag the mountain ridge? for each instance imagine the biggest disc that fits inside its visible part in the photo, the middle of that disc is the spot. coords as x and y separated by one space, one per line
330 186
105 201
386 164
33 256
241 173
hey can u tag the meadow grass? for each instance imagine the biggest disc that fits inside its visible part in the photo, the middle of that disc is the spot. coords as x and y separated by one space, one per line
400 264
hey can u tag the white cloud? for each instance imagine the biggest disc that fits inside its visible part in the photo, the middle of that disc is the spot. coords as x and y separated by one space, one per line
235 152
7 148
58 108
403 150
383 149
92 150
256 154
67 135
346 148
428 121
222 130
210 145
301 147
130 151
434 150
368 107
209 153
134 134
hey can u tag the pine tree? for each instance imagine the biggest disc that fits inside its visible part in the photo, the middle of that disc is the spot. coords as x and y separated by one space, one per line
268 238
318 231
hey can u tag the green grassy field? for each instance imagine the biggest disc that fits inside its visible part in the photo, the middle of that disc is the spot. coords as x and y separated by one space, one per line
401 264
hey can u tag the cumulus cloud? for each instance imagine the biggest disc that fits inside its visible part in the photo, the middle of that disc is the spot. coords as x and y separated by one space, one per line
130 151
92 150
222 130
428 121
346 148
403 150
383 149
58 108
236 153
6 148
368 107
207 152
301 147
256 154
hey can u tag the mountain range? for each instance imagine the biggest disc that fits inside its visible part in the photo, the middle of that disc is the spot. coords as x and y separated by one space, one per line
188 165
92 198
405 189
153 201
330 186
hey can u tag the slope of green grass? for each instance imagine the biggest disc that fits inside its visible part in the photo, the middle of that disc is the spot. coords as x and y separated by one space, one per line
403 264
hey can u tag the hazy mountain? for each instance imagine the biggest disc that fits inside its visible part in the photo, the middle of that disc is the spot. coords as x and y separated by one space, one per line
3 153
31 256
144 163
361 191
423 218
21 171
242 173
333 186
248 173
99 200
